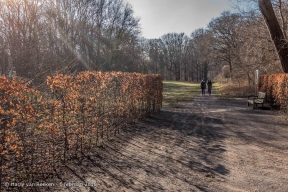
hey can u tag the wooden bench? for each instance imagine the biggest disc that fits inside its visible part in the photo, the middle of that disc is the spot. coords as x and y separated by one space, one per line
255 100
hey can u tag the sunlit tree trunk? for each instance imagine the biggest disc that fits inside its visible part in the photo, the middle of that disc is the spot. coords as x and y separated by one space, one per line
276 33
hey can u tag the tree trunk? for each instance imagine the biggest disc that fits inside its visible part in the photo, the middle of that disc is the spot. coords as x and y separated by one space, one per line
276 33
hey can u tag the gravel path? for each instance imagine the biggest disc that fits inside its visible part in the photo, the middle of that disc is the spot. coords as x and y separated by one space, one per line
207 145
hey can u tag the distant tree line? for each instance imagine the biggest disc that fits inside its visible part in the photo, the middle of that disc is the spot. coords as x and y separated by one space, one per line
232 47
40 38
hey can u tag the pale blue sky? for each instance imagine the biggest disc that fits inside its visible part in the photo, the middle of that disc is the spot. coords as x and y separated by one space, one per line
159 17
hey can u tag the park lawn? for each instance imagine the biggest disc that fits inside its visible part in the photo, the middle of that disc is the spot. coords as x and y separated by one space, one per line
176 93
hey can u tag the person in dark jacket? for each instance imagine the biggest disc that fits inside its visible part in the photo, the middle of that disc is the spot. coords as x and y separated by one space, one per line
209 84
203 86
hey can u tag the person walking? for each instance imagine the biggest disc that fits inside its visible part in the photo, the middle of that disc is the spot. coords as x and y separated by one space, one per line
209 84
203 86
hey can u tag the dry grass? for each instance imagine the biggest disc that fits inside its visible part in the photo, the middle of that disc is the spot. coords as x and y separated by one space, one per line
230 90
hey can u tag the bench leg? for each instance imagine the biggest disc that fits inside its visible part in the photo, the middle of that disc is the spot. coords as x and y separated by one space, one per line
248 104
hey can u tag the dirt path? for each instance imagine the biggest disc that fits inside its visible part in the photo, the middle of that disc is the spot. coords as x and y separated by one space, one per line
207 145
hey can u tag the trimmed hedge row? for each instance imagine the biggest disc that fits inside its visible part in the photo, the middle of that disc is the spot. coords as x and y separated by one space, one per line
276 88
40 131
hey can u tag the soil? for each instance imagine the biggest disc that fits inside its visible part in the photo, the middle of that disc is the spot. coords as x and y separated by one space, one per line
208 144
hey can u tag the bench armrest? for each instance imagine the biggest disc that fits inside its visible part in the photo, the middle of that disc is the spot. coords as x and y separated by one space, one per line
258 100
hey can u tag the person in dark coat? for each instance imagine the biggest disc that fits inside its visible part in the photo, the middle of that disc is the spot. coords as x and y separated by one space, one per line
209 84
203 86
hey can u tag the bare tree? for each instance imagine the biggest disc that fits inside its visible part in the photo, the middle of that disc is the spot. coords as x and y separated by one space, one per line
173 49
39 38
201 43
276 32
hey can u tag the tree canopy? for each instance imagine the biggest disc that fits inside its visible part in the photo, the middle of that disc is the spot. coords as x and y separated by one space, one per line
40 38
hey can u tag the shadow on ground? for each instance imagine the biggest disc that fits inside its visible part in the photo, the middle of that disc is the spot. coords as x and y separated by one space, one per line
200 146
173 150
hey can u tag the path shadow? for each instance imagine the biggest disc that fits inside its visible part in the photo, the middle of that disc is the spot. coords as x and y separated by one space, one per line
170 151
